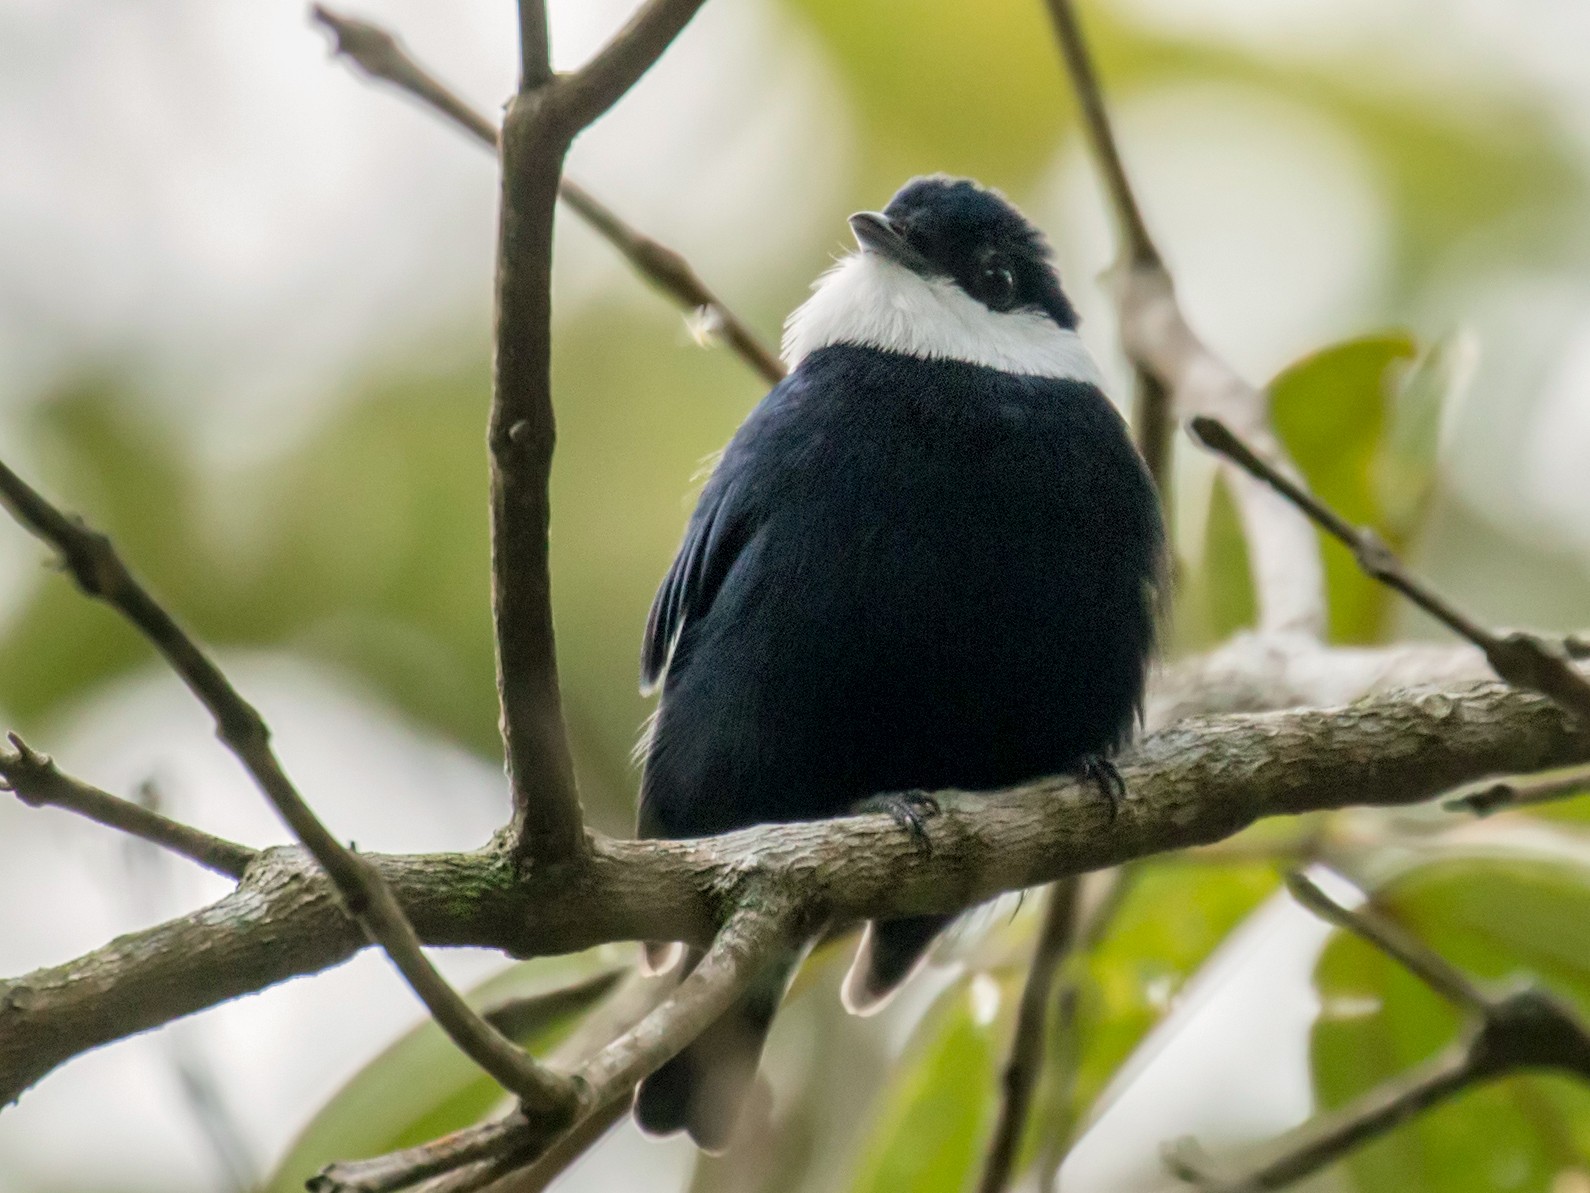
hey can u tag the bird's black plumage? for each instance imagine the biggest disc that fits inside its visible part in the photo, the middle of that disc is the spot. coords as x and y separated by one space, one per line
905 573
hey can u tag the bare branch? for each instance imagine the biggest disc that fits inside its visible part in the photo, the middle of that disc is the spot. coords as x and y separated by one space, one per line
39 783
399 1170
481 1154
535 46
1392 939
100 572
1526 1028
618 66
1333 1135
1139 246
1198 781
1024 1061
547 822
1521 791
1153 420
519 1017
381 56
736 955
510 1138
1288 575
586 1134
1103 894
1520 658
668 270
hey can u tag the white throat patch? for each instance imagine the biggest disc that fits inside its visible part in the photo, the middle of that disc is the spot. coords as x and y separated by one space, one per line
872 302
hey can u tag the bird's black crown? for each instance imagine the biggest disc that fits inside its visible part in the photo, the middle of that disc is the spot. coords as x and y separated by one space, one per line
976 237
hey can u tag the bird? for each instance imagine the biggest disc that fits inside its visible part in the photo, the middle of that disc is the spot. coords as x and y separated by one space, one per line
930 558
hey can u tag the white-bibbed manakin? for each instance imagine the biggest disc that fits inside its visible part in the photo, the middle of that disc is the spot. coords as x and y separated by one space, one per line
929 559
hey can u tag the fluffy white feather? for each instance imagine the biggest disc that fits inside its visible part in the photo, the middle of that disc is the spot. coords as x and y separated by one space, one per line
870 301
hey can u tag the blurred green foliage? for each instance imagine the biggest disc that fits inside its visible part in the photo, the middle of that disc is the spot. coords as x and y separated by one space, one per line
422 1087
364 545
1498 919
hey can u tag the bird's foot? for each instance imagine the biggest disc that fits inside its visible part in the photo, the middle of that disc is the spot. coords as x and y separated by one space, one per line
1103 774
911 810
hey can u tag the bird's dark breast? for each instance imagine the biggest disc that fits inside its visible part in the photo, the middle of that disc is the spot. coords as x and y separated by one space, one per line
949 586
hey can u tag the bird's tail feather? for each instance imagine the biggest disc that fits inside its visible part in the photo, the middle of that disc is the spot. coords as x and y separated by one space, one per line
703 1089
890 952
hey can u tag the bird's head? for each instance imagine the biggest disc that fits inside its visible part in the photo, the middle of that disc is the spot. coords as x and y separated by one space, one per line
948 270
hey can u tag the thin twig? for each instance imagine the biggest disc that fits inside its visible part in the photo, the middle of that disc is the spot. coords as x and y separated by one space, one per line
1140 250
1520 791
535 45
738 953
492 1140
1333 1135
1024 1061
520 1017
39 783
586 1134
1103 901
381 56
1288 574
1525 1028
1153 420
1525 660
99 571
628 55
511 1135
1392 939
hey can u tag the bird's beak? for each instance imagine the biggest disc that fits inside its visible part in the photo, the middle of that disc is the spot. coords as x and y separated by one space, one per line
877 233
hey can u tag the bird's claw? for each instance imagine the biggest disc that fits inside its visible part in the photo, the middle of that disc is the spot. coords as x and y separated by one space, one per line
911 810
1103 774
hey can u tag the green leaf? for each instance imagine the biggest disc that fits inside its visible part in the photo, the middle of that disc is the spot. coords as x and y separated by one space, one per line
421 1086
934 1121
1215 598
1332 410
1173 917
1497 919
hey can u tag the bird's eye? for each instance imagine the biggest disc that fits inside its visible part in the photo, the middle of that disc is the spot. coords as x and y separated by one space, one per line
998 287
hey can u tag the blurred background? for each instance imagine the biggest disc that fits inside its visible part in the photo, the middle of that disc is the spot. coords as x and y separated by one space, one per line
244 326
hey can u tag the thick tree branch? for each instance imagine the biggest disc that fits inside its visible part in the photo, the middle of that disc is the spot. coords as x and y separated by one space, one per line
1525 1028
39 783
100 572
1198 781
540 124
1523 659
380 55
547 821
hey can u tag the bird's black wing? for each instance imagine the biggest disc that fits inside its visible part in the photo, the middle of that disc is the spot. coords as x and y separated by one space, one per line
718 531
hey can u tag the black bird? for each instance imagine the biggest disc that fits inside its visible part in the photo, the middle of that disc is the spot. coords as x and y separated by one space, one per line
928 559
